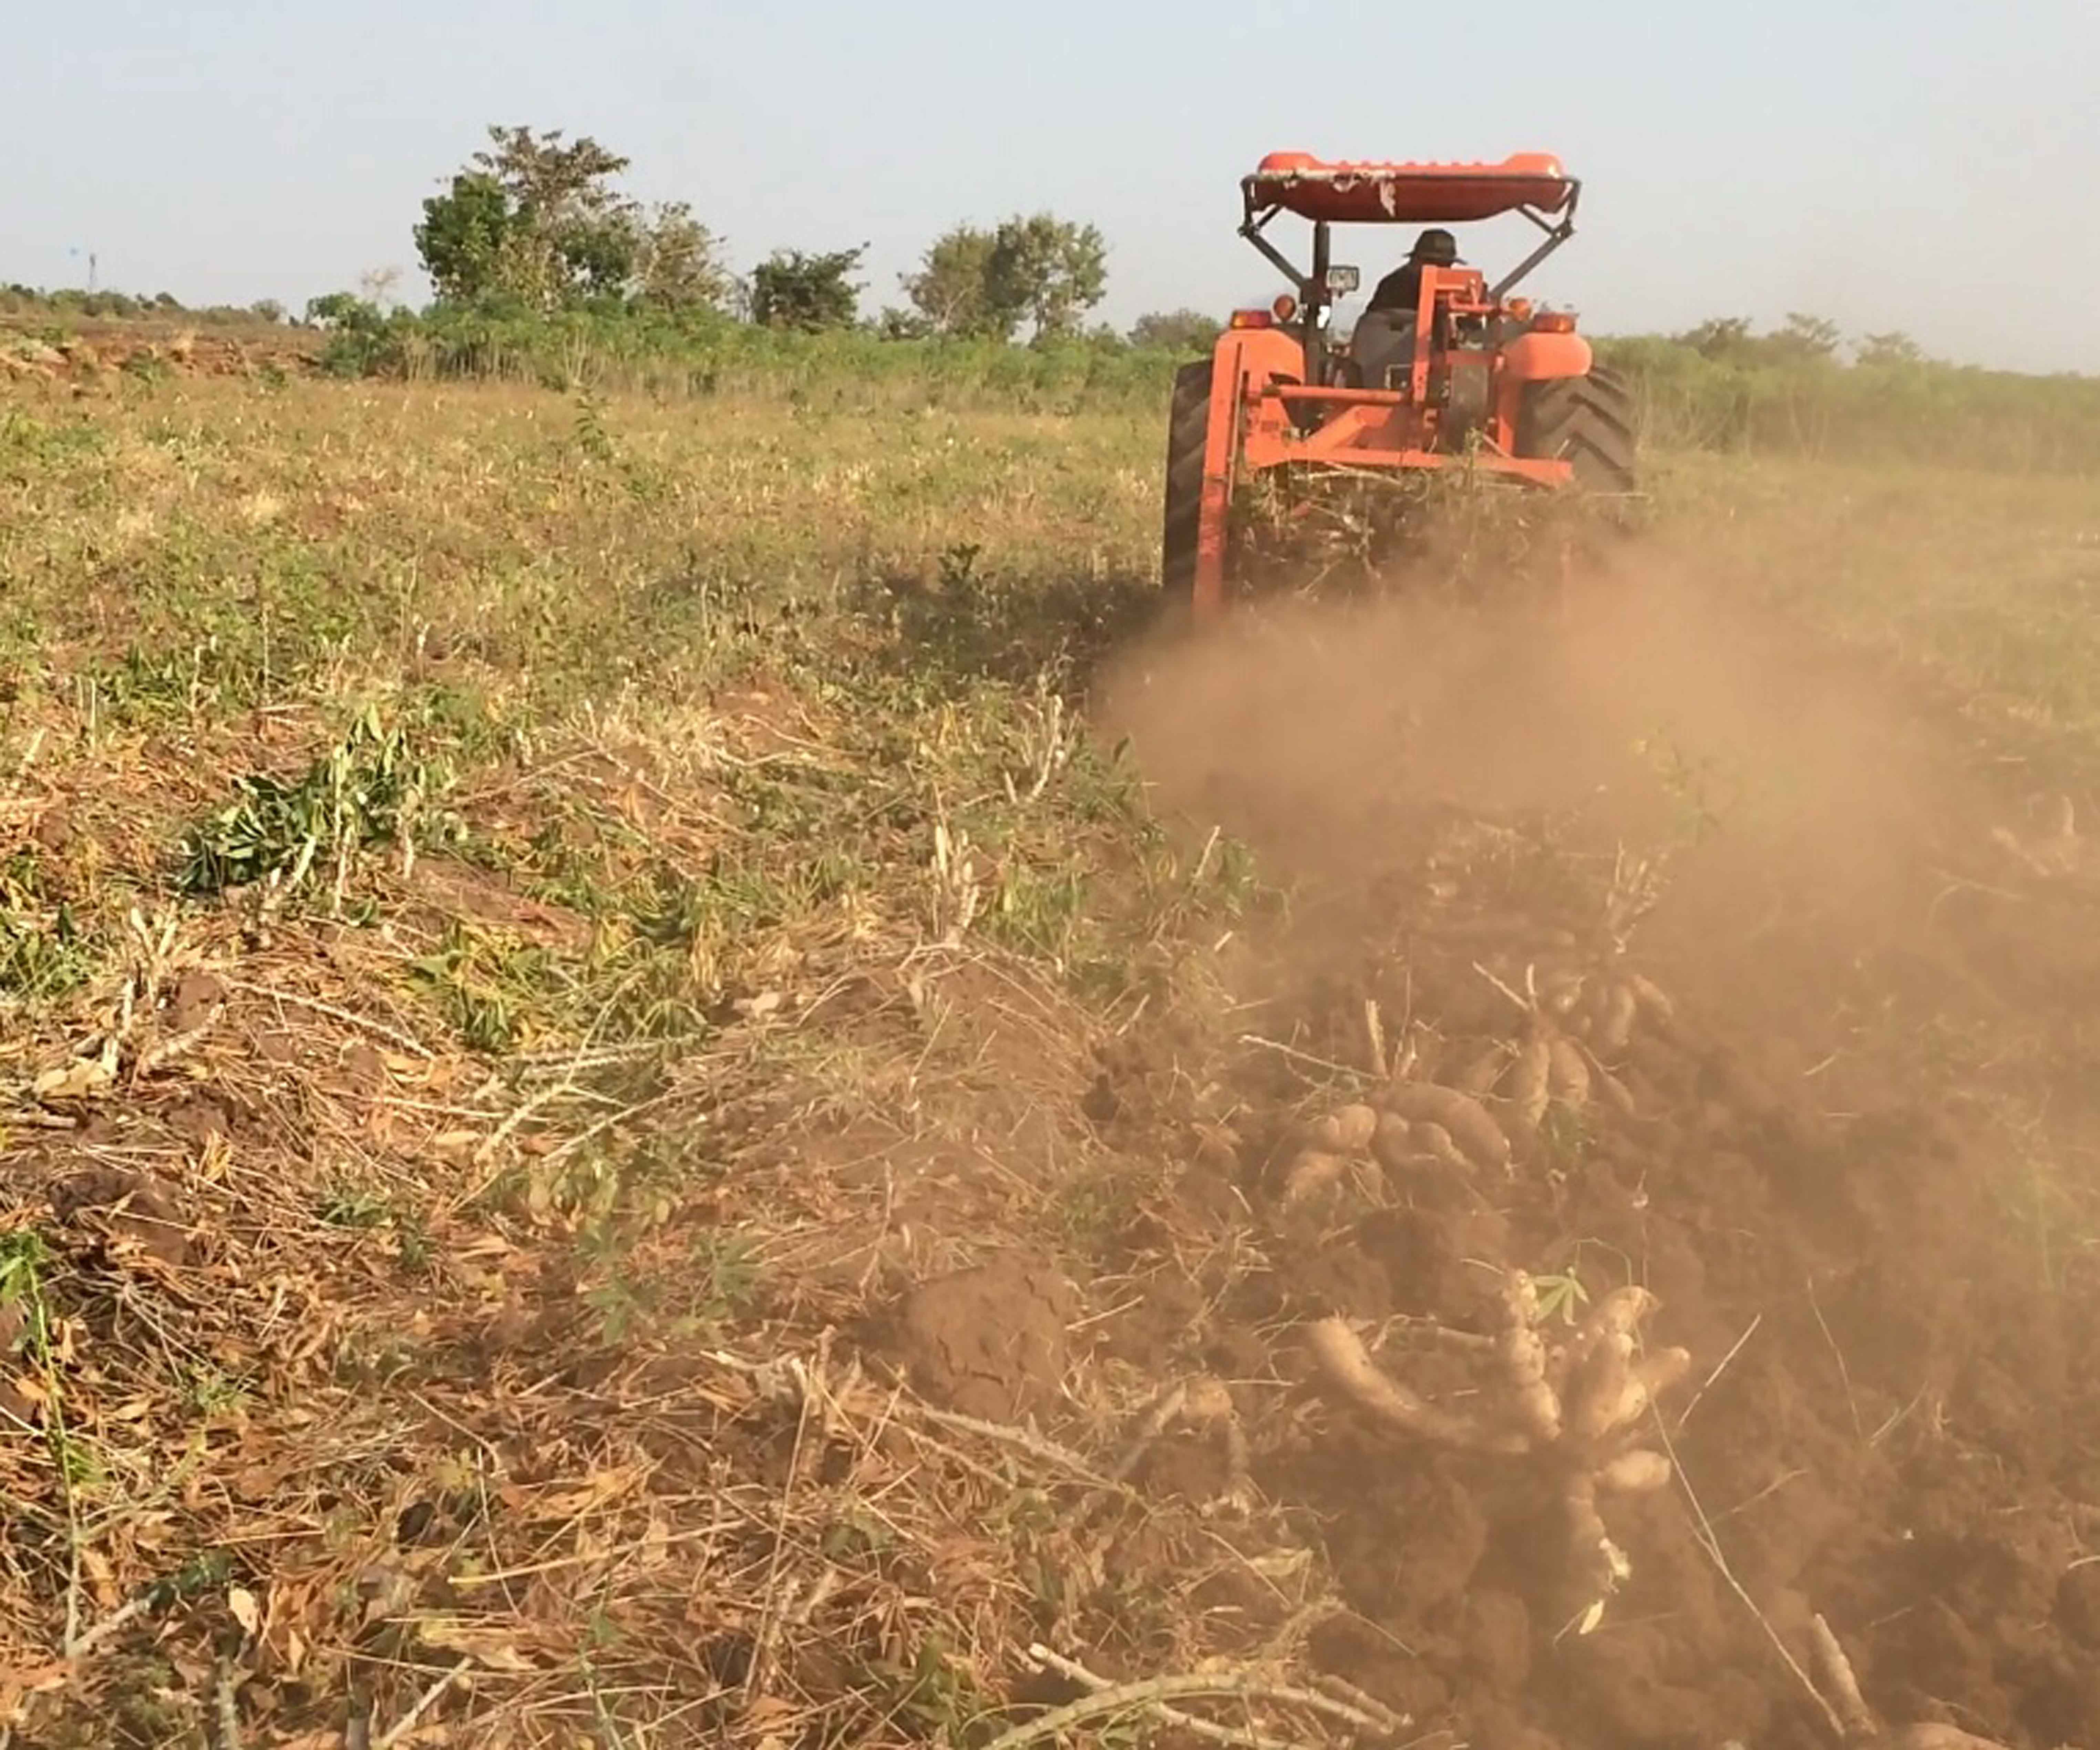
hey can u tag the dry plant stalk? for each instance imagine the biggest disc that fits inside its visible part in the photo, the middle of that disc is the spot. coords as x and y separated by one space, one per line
1202 1403
1149 1696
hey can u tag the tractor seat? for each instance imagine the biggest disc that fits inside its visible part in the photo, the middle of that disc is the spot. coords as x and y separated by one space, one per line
1381 340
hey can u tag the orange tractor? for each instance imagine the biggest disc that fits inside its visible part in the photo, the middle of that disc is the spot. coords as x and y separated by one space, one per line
1453 370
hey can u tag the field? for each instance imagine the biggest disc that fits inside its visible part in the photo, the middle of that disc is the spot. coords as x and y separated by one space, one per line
674 1077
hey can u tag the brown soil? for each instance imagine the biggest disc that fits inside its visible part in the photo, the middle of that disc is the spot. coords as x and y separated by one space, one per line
1854 1173
988 1342
98 352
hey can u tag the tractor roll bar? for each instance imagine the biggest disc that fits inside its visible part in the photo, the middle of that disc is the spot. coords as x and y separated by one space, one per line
1557 231
1311 287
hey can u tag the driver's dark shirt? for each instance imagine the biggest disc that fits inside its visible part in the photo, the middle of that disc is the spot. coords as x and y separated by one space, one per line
1400 290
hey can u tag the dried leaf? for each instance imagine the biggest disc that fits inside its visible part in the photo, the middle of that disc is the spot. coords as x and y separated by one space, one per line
493 1646
77 1080
246 1611
608 1485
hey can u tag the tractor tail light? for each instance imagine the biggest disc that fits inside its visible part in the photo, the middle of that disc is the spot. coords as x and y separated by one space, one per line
1285 307
1253 319
1553 322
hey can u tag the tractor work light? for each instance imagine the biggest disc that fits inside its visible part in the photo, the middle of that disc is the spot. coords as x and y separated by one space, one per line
1285 307
1253 319
1553 322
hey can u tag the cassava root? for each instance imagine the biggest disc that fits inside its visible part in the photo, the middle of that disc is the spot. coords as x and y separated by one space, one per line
1467 1122
1572 1410
1412 1121
1839 1686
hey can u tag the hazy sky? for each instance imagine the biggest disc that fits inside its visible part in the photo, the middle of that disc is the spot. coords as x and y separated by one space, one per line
1925 164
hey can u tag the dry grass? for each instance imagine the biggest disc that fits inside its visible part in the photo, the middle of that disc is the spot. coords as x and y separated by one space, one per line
1982 581
510 906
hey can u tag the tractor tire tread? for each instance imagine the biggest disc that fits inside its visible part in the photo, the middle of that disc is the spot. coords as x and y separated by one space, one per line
1188 433
1589 421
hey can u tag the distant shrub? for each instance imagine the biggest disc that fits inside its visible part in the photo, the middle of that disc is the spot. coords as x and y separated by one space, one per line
706 353
1718 387
1891 404
70 303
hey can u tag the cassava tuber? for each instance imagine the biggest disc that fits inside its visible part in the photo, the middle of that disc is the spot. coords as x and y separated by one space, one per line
1347 1131
1571 1411
1569 1073
1615 1010
1393 1145
1438 1145
1639 1473
1614 1092
1527 1087
1309 1173
1343 1359
1464 1118
1479 1077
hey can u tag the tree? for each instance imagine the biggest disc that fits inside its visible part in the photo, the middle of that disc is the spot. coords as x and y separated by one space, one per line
537 220
341 310
1804 339
1048 270
1799 339
678 265
375 285
1175 331
793 290
464 237
903 325
1721 337
1888 351
568 236
952 288
1041 270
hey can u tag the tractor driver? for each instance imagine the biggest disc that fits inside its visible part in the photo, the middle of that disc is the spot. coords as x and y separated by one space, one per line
1400 292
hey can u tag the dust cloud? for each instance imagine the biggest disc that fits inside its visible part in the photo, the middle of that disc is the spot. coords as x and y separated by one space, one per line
1646 712
1862 1156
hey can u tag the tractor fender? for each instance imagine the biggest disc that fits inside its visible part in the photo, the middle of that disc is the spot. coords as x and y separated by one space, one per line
1261 354
1536 358
1248 358
1243 361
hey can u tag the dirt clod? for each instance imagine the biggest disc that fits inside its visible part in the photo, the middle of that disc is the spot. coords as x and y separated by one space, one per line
129 1208
988 1342
197 995
1495 1631
2078 1606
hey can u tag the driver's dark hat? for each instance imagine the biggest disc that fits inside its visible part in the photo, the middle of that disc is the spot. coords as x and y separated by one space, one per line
1437 248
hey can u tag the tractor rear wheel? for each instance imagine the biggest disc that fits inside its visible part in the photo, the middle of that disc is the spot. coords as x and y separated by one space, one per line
1585 421
1188 433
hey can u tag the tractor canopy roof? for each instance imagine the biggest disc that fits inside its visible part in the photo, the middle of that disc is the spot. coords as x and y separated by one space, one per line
1414 194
